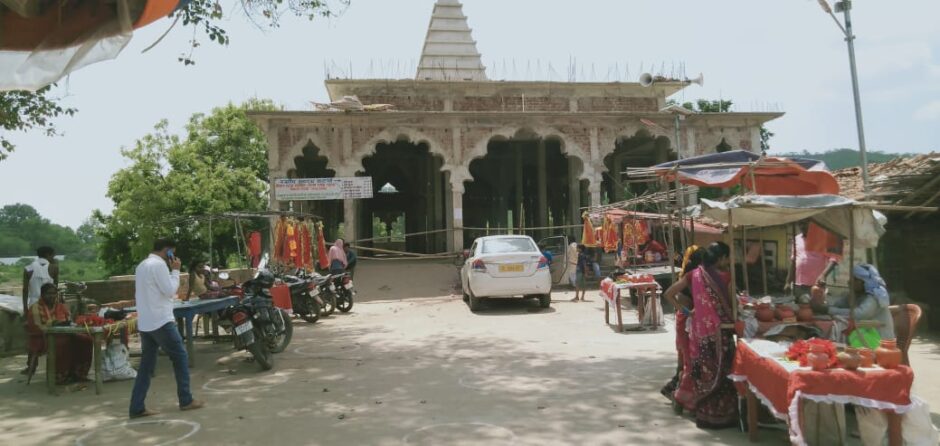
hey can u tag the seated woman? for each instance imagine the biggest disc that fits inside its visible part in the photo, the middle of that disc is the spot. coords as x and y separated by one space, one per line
199 280
872 300
73 352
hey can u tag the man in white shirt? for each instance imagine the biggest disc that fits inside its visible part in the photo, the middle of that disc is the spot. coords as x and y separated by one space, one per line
37 274
155 288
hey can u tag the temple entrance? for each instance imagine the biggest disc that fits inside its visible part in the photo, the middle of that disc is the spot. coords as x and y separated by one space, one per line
640 150
523 182
409 198
313 165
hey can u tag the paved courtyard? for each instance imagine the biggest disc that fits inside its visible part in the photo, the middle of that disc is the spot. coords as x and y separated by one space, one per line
420 371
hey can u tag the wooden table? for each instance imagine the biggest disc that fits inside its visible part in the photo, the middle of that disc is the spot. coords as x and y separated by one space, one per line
646 291
97 334
781 385
186 311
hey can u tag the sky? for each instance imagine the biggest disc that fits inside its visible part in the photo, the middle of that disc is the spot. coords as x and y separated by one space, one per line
765 55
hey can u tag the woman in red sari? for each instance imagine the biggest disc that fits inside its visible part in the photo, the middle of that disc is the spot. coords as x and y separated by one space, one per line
73 352
711 346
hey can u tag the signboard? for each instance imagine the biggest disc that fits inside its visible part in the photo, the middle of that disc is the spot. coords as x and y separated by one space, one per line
303 189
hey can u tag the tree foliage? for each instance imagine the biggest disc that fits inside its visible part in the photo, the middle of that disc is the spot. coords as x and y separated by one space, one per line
23 230
208 16
22 111
219 166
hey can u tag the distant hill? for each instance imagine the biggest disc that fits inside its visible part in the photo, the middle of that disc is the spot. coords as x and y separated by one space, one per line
842 158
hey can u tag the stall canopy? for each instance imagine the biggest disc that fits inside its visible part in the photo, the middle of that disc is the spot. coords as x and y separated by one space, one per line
42 41
832 212
760 174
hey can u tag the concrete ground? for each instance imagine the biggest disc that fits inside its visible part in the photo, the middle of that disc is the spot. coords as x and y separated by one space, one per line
411 365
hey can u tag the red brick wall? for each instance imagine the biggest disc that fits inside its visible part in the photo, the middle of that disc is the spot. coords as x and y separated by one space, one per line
617 104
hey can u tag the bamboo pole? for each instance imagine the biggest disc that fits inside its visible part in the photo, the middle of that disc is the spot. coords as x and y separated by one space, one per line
747 277
851 265
671 241
763 263
734 285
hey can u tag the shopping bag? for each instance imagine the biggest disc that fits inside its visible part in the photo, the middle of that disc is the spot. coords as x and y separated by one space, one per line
864 338
116 366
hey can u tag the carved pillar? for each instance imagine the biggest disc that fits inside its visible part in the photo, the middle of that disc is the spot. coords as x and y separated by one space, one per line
542 175
574 191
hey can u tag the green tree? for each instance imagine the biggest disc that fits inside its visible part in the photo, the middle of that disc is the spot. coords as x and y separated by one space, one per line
23 230
22 111
172 182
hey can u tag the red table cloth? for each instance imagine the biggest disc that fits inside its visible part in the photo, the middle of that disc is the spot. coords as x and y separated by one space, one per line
781 390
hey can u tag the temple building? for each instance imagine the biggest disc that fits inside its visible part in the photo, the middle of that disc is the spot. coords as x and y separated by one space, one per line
464 151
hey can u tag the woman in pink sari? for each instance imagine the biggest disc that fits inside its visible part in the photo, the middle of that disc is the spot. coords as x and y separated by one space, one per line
679 389
711 346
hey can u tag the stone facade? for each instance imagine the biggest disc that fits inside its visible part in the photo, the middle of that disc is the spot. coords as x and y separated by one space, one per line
458 115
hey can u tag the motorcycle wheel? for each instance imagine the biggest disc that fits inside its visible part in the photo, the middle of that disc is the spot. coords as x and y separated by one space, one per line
314 311
329 305
259 350
346 304
281 341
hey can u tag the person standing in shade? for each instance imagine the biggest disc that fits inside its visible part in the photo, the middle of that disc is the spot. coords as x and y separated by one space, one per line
157 281
44 270
351 258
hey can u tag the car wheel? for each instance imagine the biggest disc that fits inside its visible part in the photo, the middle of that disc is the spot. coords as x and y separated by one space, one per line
474 303
545 300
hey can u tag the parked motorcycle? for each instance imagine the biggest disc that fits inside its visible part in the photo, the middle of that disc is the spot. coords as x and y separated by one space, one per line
305 298
258 326
344 290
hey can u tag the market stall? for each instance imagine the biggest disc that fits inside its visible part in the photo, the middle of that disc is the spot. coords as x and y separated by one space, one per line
781 376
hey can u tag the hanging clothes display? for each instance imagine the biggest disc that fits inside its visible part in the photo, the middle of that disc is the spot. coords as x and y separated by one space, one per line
306 247
588 237
610 235
280 240
635 233
254 248
321 248
292 254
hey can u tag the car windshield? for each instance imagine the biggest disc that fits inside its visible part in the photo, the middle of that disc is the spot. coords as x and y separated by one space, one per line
508 245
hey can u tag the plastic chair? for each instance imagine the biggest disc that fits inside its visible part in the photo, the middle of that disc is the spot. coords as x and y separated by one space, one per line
905 318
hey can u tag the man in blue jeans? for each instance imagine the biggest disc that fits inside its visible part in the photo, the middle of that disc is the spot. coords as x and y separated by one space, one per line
157 280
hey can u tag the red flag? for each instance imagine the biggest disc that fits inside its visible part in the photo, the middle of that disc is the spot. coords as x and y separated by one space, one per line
321 248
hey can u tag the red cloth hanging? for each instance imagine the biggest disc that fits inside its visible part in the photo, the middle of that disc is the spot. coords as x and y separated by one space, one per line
321 248
610 235
280 240
293 245
254 248
306 245
588 237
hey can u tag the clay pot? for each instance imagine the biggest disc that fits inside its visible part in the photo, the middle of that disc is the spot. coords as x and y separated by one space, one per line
887 355
817 358
784 312
805 314
867 357
849 359
765 313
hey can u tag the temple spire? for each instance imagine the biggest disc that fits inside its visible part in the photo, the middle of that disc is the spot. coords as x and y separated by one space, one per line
450 53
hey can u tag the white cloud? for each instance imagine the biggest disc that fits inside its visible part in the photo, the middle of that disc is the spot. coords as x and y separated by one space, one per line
884 59
928 112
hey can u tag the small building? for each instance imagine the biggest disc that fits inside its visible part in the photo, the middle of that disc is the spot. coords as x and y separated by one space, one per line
909 253
465 152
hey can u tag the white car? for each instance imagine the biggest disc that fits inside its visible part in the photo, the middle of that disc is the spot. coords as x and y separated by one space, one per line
505 266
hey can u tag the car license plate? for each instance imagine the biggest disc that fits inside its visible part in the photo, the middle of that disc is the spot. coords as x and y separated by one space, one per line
511 268
348 286
243 328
